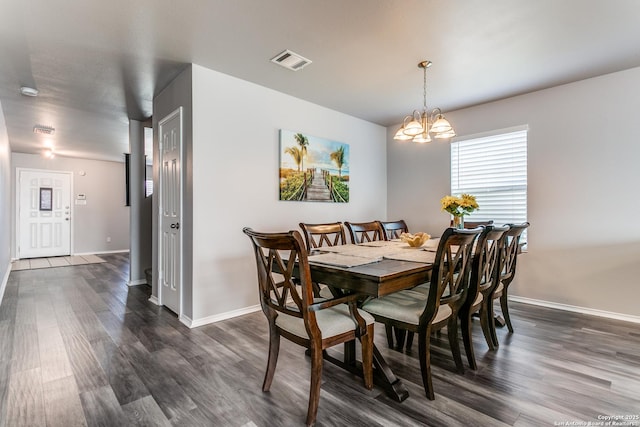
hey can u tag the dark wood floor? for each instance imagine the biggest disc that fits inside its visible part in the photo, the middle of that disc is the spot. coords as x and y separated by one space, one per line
79 347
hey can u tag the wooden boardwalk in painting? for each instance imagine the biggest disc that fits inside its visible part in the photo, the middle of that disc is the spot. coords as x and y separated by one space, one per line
318 191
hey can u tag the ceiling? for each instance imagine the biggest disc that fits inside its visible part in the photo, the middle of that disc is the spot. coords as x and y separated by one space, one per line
97 64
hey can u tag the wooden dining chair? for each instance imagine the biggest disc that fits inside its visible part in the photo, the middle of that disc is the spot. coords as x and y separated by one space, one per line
474 224
319 235
323 235
419 313
510 251
362 232
485 273
288 304
393 229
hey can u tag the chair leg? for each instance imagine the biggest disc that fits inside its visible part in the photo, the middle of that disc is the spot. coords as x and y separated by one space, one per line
367 357
486 322
452 333
424 353
491 324
274 349
316 380
409 340
400 336
505 310
465 326
389 331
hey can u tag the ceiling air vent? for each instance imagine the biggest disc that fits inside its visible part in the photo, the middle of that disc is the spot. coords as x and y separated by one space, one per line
291 60
45 130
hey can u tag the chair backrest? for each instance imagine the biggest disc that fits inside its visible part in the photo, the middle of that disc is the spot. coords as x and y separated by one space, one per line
318 235
510 251
450 273
487 258
393 229
276 255
361 232
474 224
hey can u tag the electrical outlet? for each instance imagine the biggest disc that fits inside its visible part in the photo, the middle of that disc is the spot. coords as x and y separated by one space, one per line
108 239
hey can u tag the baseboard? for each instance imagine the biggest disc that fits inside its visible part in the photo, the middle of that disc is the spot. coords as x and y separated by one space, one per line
118 251
5 280
137 282
154 300
218 317
577 309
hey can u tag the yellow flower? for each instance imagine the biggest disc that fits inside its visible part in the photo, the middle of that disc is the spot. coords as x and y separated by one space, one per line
459 206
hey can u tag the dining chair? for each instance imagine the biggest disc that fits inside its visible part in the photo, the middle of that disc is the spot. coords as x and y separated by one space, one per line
474 224
322 235
361 232
485 272
510 251
319 235
393 229
288 304
419 313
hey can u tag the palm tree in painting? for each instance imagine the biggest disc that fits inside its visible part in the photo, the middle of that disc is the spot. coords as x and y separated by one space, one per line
296 154
303 142
338 158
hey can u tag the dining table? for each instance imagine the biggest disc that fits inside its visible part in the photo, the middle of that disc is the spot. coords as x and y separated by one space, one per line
372 270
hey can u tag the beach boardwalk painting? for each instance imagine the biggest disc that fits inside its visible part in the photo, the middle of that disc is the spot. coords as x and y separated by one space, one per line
313 169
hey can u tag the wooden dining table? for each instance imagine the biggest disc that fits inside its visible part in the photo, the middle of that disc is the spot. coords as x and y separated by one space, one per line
373 278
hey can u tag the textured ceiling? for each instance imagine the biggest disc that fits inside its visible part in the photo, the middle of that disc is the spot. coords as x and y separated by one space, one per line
96 64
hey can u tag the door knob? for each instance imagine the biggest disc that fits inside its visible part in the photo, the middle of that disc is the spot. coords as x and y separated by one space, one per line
66 219
176 225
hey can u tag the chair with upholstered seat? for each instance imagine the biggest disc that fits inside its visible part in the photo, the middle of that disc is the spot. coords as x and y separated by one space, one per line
475 224
288 304
393 229
510 256
484 278
319 235
422 314
362 232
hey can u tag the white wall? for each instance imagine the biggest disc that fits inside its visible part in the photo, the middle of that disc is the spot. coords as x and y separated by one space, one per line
5 204
235 180
583 150
104 215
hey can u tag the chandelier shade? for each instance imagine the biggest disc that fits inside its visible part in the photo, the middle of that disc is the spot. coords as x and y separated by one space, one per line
421 125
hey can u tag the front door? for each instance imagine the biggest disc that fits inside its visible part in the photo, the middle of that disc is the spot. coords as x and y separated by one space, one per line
44 213
170 242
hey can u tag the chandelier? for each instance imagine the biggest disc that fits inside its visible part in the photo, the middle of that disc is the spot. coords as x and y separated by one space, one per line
419 126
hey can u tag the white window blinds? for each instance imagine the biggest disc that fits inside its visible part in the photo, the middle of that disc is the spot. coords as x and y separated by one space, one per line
494 169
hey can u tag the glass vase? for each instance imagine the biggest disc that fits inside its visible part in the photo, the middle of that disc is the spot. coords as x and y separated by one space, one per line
458 221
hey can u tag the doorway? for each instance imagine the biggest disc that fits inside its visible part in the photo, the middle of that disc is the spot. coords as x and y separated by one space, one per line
44 213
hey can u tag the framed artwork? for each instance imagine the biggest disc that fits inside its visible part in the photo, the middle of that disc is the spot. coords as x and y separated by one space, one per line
313 169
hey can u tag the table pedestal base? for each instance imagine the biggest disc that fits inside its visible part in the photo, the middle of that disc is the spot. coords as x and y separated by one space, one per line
383 376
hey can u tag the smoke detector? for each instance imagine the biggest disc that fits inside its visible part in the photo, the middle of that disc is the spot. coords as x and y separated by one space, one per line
28 91
44 130
291 60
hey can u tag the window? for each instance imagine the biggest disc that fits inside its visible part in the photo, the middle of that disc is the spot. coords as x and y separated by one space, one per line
494 169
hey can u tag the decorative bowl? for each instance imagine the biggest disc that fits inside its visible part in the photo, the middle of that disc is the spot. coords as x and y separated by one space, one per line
415 240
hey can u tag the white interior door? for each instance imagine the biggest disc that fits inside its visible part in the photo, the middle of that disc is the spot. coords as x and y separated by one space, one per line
170 242
44 213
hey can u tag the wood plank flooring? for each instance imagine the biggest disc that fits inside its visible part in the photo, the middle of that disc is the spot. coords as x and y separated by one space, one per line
80 348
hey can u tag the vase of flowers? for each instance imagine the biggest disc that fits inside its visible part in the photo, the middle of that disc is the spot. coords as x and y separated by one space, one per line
458 207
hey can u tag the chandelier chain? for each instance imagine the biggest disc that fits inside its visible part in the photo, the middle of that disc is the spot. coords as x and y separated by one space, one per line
424 89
